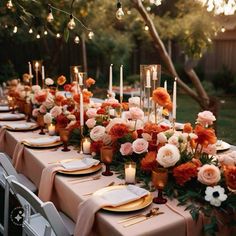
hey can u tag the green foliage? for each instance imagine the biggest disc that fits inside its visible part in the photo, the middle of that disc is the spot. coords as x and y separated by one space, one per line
7 72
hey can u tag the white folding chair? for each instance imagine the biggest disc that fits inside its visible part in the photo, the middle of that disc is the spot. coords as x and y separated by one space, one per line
6 168
46 221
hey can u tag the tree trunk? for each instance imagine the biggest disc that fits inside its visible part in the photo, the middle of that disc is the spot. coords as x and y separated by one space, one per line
199 95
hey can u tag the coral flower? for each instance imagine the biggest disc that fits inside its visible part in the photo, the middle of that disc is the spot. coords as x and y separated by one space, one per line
67 87
61 80
118 131
188 128
230 176
76 97
125 106
154 128
205 136
41 96
185 172
149 161
161 96
89 82
59 98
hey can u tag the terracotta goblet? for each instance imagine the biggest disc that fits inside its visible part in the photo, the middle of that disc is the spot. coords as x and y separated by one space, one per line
106 158
65 135
28 111
159 180
40 121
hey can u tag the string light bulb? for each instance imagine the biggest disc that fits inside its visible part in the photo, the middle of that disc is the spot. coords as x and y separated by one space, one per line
77 39
50 17
119 12
45 32
146 27
58 35
15 29
9 4
30 31
71 24
38 35
90 35
222 29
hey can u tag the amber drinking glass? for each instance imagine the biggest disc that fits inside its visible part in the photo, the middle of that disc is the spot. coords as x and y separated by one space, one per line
106 158
65 135
40 121
28 111
159 180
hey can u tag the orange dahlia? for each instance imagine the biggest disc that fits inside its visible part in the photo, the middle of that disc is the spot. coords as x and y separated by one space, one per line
161 96
230 176
89 82
188 128
61 80
149 161
118 131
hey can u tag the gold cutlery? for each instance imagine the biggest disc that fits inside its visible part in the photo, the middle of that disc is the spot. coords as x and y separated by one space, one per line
110 184
152 211
76 181
144 218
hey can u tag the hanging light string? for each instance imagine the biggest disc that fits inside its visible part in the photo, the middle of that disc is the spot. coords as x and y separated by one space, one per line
69 14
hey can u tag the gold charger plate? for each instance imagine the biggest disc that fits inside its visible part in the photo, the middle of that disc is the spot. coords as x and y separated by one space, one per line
22 129
131 206
58 143
82 172
223 147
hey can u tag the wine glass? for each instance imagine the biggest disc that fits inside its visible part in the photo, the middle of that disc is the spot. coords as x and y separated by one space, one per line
40 121
106 158
159 180
64 135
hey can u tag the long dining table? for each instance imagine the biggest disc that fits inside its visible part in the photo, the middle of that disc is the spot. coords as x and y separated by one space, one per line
67 195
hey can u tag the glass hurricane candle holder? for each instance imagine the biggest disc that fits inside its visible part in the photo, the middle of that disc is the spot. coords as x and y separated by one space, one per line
64 136
130 172
40 121
106 158
159 180
73 72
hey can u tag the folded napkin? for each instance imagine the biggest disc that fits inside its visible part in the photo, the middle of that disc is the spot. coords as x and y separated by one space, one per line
11 116
21 126
81 164
4 108
2 138
88 208
42 141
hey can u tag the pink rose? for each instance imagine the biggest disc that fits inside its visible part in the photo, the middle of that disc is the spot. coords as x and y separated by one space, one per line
36 88
140 145
106 139
35 112
126 149
90 123
228 159
174 139
42 109
111 101
210 149
47 118
161 138
206 118
136 113
91 112
134 102
97 133
147 136
209 174
56 111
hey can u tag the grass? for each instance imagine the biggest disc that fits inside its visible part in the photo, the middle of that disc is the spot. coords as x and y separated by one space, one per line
188 109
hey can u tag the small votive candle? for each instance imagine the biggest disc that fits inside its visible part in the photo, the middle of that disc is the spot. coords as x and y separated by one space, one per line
51 129
130 172
86 145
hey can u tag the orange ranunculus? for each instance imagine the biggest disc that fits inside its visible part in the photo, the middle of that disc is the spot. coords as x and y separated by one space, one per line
149 161
41 96
59 98
161 96
185 172
76 97
188 128
205 135
67 87
230 177
125 106
118 131
61 80
154 128
169 106
89 82
86 96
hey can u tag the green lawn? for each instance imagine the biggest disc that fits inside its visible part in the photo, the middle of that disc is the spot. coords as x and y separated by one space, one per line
188 109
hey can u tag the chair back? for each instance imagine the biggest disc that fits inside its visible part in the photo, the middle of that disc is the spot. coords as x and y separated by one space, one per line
7 165
45 209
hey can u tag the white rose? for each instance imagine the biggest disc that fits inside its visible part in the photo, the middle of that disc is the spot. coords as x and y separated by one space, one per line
161 137
97 133
134 102
47 118
168 155
36 88
49 81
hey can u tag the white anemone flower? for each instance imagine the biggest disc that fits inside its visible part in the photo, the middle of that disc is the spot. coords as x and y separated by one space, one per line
215 195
